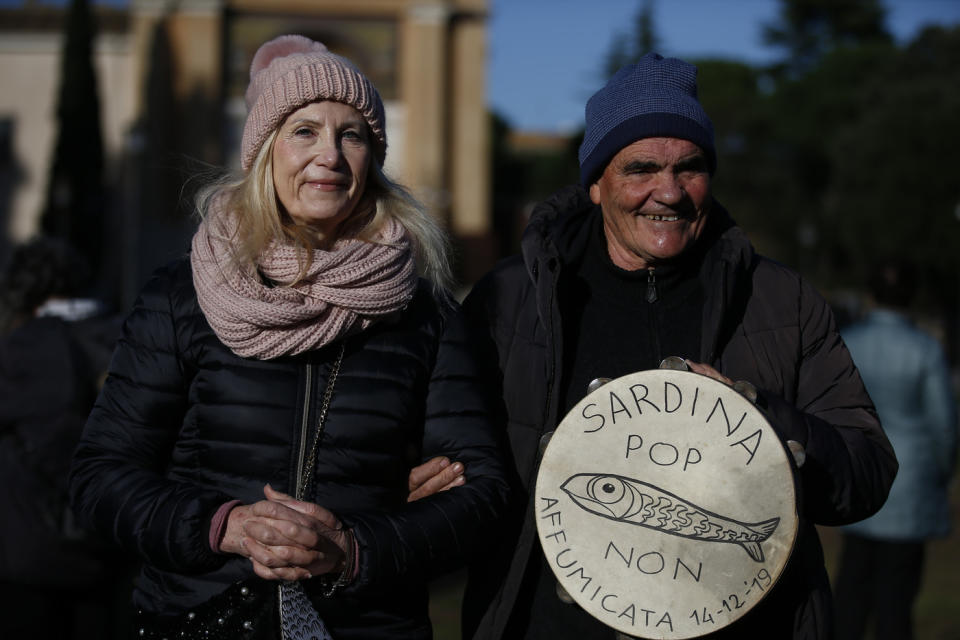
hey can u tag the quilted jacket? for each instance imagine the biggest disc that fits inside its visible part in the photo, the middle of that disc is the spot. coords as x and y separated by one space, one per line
183 424
907 374
761 323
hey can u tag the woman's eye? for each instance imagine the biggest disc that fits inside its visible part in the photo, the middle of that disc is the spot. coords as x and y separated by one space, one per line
302 131
352 135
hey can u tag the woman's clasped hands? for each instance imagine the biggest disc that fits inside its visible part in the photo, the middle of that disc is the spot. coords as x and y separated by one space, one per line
287 539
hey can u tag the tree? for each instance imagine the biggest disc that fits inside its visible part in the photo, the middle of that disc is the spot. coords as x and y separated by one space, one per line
804 114
859 152
749 181
893 189
808 29
831 50
75 202
629 47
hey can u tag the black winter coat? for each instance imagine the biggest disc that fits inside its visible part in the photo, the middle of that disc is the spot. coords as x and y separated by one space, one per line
761 323
46 390
183 425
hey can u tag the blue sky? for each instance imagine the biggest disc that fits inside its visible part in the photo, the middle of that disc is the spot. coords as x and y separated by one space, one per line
545 57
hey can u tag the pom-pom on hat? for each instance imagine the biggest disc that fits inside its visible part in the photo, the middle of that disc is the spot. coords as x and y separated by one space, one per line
291 71
654 98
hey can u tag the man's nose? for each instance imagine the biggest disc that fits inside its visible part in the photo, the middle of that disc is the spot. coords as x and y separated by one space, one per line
668 189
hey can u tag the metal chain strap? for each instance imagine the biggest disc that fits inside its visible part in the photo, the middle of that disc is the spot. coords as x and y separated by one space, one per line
298 618
321 421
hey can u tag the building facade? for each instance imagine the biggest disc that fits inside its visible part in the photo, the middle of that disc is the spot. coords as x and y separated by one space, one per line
171 76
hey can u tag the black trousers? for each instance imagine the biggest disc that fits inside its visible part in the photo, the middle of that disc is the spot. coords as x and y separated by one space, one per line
877 583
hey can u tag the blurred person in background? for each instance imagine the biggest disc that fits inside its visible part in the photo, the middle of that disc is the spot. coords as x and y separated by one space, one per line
53 346
907 375
270 392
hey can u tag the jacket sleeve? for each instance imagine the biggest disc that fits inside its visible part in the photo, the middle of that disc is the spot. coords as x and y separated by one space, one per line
850 464
118 482
436 534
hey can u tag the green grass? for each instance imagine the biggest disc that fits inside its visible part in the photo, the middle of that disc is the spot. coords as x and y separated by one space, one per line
446 594
937 610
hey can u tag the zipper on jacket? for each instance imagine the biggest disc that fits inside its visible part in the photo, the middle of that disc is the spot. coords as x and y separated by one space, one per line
304 431
651 286
651 297
549 401
298 478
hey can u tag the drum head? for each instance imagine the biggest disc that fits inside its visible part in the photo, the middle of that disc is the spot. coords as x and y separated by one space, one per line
665 504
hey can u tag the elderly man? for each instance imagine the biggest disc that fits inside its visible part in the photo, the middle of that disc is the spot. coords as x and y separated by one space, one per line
642 265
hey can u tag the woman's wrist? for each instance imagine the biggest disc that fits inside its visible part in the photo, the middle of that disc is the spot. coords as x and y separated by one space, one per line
218 525
334 581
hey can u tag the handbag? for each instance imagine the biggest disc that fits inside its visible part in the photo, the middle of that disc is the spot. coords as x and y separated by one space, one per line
256 609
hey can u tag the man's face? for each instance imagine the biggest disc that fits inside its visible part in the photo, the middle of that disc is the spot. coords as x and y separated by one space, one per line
655 196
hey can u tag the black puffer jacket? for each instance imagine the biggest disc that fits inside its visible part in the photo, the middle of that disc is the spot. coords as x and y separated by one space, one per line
46 389
183 425
761 323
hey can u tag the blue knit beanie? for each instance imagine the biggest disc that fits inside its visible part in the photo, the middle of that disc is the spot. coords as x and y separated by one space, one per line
656 97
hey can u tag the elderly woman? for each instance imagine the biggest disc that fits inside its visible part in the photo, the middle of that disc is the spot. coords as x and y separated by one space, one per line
270 393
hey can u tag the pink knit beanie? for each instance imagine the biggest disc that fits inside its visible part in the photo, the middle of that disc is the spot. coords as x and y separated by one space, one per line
291 71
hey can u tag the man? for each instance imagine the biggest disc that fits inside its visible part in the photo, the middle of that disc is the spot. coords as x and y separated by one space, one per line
906 371
643 265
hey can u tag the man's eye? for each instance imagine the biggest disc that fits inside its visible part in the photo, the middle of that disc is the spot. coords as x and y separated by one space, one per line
692 167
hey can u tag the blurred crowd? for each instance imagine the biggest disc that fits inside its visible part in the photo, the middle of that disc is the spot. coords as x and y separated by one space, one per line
55 344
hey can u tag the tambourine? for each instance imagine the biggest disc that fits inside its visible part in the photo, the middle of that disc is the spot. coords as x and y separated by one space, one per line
666 504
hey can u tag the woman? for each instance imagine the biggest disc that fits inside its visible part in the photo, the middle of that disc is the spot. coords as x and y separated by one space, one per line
268 395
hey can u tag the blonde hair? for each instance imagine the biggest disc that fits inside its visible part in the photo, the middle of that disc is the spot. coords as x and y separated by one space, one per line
261 219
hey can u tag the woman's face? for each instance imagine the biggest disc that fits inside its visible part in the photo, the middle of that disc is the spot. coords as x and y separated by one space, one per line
320 161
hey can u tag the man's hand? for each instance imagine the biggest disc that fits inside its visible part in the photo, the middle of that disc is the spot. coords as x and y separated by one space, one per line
287 539
433 476
710 372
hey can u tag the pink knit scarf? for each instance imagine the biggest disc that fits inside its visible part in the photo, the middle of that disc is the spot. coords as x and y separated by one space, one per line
345 290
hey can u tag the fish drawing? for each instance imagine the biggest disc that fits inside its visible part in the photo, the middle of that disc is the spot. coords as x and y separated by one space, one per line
633 501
